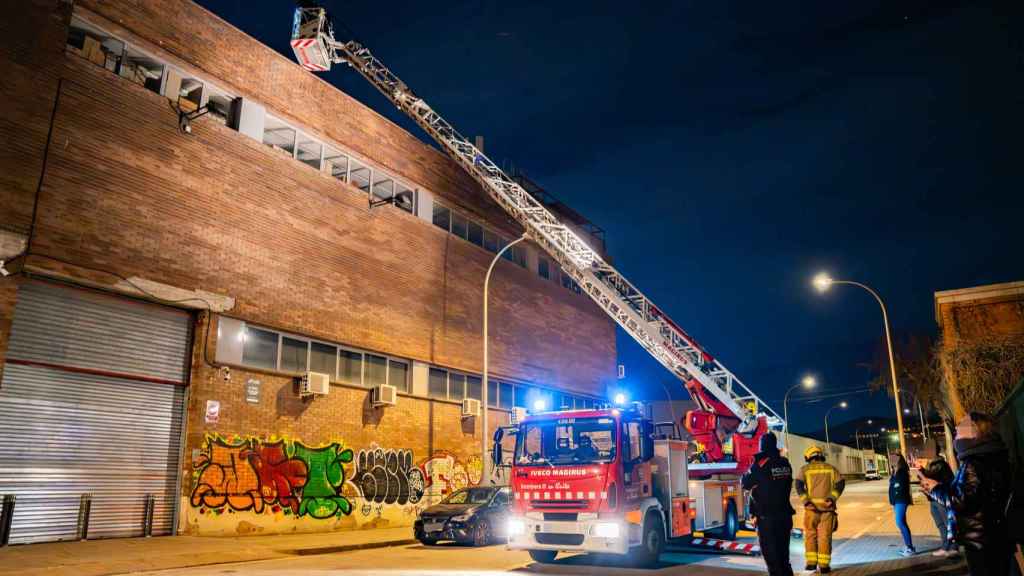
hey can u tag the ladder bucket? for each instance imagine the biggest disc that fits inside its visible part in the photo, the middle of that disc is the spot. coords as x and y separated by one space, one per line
310 34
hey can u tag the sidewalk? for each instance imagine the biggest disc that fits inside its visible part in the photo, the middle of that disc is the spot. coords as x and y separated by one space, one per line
121 555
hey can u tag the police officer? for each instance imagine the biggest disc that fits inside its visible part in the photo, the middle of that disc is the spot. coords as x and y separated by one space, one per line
769 481
819 485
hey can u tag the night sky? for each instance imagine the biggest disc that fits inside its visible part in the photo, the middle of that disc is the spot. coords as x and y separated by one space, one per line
732 150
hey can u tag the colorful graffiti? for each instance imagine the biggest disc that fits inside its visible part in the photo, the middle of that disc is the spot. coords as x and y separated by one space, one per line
248 474
276 476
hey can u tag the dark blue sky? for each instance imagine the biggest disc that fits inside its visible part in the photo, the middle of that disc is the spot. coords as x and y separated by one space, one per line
731 150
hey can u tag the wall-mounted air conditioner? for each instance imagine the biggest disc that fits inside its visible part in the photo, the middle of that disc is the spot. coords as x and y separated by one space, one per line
314 383
384 395
470 407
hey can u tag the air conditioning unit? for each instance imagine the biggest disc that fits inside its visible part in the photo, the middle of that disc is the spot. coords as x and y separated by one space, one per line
470 407
517 415
384 395
314 383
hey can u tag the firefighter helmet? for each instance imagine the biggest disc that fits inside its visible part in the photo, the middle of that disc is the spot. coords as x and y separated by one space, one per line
813 451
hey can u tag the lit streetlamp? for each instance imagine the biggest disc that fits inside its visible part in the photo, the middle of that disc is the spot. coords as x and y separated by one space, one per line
828 443
823 282
807 382
484 452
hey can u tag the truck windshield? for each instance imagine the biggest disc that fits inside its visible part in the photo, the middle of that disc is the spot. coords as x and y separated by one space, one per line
566 441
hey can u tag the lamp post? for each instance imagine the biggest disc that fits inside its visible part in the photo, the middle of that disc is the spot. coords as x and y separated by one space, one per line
823 282
483 392
857 434
807 382
828 443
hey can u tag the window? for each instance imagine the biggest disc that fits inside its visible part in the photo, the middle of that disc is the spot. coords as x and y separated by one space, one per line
474 387
293 354
259 349
186 93
456 386
279 136
220 104
359 175
460 226
350 367
476 234
442 217
437 383
309 151
490 242
635 436
519 255
323 358
492 393
142 69
405 198
376 370
506 396
542 268
523 395
383 187
94 45
398 374
336 164
563 402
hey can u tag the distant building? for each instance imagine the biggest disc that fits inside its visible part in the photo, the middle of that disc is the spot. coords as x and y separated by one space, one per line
169 291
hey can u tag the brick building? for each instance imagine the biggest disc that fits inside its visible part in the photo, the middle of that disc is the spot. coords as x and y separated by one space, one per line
166 290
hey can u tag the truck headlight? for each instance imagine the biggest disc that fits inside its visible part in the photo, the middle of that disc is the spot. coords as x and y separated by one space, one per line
606 530
516 527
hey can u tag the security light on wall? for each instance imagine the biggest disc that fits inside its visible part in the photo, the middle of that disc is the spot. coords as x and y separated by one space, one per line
185 118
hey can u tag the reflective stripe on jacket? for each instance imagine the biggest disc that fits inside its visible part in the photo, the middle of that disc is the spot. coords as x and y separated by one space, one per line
819 484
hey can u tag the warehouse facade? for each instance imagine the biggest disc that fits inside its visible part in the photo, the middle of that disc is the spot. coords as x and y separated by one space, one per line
168 291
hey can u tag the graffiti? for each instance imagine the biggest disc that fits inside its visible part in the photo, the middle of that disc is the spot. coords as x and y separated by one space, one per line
444 474
388 477
321 497
275 475
227 478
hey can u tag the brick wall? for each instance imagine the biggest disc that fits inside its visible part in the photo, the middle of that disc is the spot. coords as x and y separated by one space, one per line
31 48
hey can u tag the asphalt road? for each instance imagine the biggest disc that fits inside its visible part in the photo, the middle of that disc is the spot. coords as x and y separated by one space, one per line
866 533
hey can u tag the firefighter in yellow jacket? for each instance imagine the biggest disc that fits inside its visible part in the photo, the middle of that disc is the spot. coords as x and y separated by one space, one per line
819 485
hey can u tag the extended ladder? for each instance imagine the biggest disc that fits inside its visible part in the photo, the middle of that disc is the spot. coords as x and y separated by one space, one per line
316 49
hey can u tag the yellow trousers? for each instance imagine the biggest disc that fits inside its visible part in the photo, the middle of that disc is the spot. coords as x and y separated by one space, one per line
818 528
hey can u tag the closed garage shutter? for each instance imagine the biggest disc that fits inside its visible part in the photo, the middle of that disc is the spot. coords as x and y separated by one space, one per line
91 402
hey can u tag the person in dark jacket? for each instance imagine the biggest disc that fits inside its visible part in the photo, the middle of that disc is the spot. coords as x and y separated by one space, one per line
937 484
900 498
770 480
981 490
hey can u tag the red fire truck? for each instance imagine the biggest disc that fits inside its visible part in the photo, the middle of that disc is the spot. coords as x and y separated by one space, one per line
602 481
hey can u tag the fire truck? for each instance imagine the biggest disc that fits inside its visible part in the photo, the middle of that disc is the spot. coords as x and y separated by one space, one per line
594 480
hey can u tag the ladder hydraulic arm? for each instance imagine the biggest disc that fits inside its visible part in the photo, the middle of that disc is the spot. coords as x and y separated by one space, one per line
726 405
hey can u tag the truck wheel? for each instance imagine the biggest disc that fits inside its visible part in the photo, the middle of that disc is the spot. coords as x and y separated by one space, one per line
731 526
543 556
653 542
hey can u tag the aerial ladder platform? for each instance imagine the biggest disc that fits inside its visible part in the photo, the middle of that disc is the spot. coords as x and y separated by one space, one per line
727 409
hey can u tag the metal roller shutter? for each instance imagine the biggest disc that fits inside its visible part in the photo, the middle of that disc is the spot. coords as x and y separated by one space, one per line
91 402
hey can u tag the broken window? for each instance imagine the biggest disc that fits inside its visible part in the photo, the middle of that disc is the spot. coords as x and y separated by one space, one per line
93 44
142 69
185 92
279 136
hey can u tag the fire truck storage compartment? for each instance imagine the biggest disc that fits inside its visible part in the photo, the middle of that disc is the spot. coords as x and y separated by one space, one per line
710 511
670 484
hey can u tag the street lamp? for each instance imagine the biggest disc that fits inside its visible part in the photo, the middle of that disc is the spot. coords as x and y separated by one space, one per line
483 403
823 282
857 434
807 382
828 443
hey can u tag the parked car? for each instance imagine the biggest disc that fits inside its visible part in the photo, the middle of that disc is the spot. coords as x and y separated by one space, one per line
474 516
872 475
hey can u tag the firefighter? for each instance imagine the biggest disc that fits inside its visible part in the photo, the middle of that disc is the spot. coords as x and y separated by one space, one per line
819 485
770 481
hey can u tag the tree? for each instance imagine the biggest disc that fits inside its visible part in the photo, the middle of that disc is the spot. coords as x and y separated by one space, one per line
918 370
